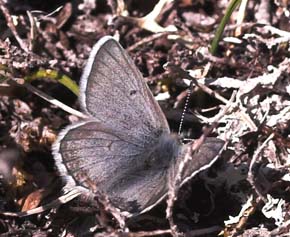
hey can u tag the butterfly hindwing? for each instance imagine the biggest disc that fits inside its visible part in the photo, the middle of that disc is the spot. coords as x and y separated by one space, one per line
94 154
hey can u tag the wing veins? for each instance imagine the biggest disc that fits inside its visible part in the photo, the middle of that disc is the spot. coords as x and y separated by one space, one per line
134 70
120 66
91 164
118 138
119 89
112 116
107 157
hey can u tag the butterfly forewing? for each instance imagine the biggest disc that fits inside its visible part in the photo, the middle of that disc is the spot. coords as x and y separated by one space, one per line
113 91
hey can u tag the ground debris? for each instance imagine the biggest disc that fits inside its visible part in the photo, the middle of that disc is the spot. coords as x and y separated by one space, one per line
244 90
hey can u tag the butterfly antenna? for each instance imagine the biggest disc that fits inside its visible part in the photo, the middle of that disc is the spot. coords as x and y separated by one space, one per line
185 107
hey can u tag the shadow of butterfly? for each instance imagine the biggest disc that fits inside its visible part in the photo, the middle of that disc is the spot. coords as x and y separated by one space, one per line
124 149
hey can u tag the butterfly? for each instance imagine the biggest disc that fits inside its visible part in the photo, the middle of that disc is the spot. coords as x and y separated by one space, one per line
124 148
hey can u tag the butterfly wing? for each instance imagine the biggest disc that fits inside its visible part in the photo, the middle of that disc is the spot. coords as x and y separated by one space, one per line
112 150
101 158
113 91
201 159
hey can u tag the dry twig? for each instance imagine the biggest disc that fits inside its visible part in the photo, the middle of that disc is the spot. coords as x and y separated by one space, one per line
50 99
12 27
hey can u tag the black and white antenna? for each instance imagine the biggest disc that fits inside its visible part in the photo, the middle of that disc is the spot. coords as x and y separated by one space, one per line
185 107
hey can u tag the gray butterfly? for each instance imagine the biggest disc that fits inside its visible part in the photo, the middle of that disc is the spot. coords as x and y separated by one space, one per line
124 149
